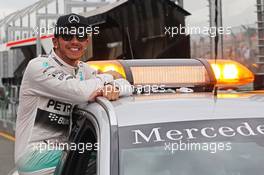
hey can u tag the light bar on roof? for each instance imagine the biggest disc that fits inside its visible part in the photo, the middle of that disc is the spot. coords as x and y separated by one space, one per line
169 75
166 72
170 72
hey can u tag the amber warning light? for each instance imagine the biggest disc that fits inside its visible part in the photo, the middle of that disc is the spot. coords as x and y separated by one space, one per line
231 73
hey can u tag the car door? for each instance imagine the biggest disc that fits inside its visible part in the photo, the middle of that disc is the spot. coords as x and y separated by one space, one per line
81 157
90 128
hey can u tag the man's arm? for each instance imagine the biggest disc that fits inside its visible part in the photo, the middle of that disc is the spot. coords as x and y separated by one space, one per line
53 83
125 88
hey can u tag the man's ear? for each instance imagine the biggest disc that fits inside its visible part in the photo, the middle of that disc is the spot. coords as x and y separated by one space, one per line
55 42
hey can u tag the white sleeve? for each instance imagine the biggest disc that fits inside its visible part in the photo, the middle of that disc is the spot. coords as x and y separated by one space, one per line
123 85
92 73
53 83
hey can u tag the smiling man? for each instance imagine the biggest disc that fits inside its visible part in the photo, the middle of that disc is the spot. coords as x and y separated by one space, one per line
51 86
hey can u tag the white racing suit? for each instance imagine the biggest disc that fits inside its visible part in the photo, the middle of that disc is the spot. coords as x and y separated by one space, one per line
50 88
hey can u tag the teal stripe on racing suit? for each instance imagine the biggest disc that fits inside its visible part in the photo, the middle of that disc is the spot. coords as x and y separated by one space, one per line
39 160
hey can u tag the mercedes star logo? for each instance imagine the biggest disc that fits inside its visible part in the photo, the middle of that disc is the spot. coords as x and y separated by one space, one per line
74 18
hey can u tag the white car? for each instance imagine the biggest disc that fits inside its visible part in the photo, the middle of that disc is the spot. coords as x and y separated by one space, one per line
180 127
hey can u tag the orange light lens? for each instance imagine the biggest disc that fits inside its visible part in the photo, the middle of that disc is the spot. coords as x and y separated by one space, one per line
231 73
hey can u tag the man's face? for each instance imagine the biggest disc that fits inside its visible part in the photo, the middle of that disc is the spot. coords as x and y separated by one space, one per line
70 48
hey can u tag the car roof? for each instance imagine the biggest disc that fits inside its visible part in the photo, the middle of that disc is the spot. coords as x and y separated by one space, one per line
162 108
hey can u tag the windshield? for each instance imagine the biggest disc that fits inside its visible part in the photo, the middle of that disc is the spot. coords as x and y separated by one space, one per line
219 147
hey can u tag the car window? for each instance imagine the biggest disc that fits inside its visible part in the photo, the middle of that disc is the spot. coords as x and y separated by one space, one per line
226 146
82 157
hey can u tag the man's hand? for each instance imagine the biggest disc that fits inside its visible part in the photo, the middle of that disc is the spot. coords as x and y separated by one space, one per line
110 92
115 74
95 94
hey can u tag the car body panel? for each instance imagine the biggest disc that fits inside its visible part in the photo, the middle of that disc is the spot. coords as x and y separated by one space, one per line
140 110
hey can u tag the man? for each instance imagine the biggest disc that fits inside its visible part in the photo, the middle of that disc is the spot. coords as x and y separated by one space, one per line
51 86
